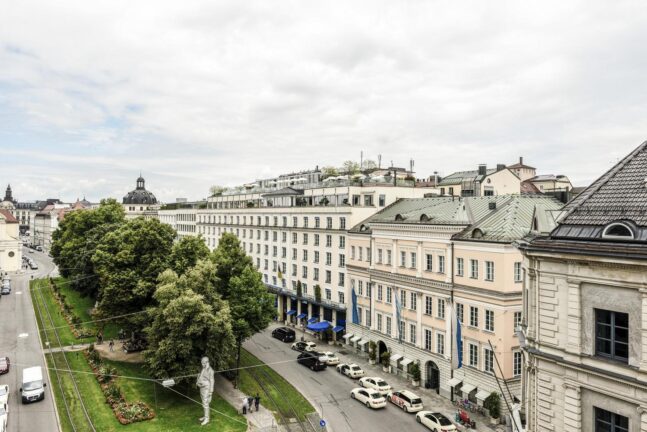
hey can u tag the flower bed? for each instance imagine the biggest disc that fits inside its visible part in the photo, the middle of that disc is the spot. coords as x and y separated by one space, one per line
72 320
125 412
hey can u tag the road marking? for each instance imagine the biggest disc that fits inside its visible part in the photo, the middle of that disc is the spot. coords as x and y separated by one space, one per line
23 335
18 292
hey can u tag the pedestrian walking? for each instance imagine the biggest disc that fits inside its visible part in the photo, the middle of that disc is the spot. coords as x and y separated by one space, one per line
111 345
245 405
99 338
257 401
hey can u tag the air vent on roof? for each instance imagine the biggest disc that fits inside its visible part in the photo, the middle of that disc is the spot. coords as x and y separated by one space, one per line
492 205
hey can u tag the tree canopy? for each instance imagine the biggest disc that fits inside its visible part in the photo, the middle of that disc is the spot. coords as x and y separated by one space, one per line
186 252
350 167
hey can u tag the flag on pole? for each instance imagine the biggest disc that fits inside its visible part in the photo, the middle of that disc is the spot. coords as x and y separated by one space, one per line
398 310
457 345
355 314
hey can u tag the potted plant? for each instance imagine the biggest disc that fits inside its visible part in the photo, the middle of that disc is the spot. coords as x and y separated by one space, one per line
385 358
414 370
324 201
328 336
372 352
492 403
317 293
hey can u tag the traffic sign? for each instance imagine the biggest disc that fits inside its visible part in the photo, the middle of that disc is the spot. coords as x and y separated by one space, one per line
322 423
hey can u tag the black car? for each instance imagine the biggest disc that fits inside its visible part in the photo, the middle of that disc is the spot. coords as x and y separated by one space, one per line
311 360
284 334
6 289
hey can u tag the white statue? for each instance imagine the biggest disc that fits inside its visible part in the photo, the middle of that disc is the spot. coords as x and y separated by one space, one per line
205 384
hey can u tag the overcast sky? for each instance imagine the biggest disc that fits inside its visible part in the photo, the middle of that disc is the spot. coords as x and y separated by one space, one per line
200 93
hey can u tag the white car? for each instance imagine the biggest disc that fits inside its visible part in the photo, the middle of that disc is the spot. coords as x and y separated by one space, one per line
435 421
4 413
376 383
4 394
369 397
329 358
302 346
350 370
408 401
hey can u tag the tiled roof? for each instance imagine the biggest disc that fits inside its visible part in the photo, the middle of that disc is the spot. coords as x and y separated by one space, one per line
619 194
9 218
528 187
460 176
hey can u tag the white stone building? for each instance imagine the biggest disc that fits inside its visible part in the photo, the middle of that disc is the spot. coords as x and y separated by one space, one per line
10 245
585 309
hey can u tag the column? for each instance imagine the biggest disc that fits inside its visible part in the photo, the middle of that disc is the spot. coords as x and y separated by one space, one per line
394 257
574 320
334 323
532 300
572 408
419 263
279 307
642 411
643 362
420 299
309 310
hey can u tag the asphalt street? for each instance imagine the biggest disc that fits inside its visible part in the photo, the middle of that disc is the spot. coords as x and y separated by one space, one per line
19 341
329 391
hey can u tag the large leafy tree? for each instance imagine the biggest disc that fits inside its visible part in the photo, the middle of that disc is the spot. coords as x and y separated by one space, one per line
186 325
186 253
76 239
128 261
252 307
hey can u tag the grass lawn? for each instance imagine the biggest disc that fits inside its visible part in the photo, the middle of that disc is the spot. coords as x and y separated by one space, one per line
173 412
277 389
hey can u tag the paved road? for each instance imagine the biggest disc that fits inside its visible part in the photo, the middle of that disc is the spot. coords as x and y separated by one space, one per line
329 391
18 318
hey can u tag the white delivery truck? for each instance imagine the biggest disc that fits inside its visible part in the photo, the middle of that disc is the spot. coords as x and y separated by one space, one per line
33 387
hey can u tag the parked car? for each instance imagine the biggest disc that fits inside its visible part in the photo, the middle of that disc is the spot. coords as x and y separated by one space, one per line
31 251
329 358
33 387
4 413
6 289
435 421
284 334
4 394
39 248
350 370
33 265
376 383
311 360
304 346
5 364
369 397
408 401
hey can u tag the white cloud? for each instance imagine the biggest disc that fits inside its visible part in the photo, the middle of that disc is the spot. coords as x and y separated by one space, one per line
205 92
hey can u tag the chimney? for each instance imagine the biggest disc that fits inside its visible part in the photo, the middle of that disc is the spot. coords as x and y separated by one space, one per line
520 160
500 167
482 169
492 205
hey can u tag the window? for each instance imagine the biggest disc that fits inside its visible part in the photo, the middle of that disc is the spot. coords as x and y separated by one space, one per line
474 316
429 305
369 290
412 333
294 237
316 239
341 297
517 272
489 271
403 259
414 301
379 322
328 276
441 264
403 331
342 223
413 260
388 325
360 250
360 288
382 200
474 269
294 270
441 309
317 222
294 253
352 252
368 318
488 360
617 230
328 240
304 272
315 276
428 339
389 293
489 320
305 255
368 200
368 254
294 222
429 262
379 256
517 320
388 257
285 221
328 258
328 294
440 343
474 355
341 279
516 363
612 335
342 242
342 260
379 293
284 237
460 311
328 223
403 298
316 260
607 421
305 238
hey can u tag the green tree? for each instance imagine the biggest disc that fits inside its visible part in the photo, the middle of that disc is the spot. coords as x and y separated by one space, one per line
369 165
252 307
76 240
329 171
185 326
128 261
186 252
350 167
216 190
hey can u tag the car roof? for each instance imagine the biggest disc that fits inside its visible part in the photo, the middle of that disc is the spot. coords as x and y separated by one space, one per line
409 394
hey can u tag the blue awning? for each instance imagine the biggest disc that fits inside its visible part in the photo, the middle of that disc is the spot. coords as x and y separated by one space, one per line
291 312
320 326
338 329
302 315
313 319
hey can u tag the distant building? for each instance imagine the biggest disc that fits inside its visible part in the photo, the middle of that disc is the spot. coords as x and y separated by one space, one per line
585 309
523 171
551 183
140 202
10 245
481 182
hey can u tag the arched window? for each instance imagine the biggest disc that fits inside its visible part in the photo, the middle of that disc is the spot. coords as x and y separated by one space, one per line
477 233
399 217
618 230
424 218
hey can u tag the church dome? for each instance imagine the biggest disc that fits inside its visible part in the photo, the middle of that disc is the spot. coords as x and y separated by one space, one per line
140 195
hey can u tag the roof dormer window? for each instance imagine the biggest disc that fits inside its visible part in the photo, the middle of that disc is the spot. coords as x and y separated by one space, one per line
618 230
399 217
424 218
477 233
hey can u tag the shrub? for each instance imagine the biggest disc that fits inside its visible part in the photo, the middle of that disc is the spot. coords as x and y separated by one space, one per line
385 358
372 350
493 404
414 370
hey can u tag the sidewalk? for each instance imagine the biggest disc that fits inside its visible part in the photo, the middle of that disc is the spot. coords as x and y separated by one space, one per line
262 420
431 400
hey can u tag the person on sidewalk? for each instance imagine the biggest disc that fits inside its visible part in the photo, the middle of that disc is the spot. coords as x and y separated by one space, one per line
250 402
245 405
257 401
111 345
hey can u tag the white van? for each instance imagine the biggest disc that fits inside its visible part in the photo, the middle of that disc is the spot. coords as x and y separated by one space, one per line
33 387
